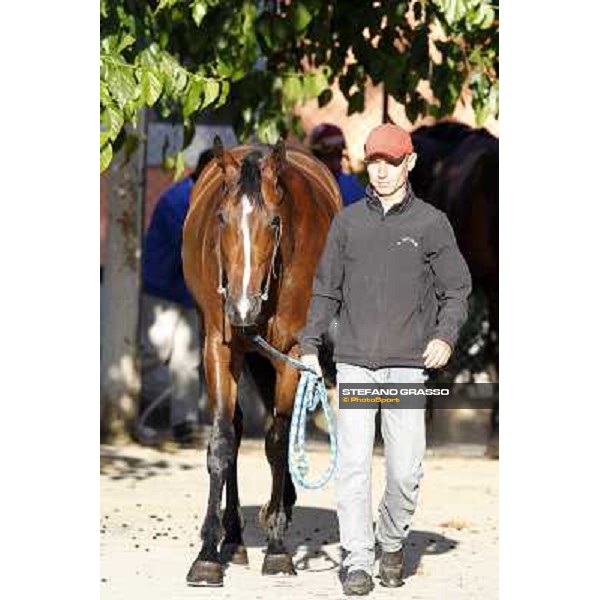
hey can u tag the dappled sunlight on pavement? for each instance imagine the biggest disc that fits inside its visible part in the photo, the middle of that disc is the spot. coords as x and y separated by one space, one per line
152 503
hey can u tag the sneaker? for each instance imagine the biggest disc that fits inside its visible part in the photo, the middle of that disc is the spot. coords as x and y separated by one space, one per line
390 568
358 583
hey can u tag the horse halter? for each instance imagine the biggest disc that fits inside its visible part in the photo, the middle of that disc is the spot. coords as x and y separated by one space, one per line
222 289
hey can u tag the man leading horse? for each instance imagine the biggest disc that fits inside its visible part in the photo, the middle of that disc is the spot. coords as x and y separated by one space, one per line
392 271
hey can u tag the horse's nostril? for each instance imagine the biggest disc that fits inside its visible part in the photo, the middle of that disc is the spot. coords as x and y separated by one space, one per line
244 311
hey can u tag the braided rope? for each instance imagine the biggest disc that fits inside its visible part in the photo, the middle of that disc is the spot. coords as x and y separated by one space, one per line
309 394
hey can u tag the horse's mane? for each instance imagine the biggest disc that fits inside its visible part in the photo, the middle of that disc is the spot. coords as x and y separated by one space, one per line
250 178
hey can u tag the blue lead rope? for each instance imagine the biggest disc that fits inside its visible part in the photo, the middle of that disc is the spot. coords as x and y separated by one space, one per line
309 394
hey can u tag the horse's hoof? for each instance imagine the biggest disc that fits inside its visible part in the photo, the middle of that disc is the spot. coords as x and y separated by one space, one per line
235 554
278 563
205 572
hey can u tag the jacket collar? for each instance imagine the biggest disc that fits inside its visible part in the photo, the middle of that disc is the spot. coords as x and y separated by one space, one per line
374 203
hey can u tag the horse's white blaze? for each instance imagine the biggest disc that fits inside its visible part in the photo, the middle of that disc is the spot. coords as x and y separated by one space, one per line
244 304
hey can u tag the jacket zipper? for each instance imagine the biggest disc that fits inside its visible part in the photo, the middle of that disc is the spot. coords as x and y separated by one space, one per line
379 306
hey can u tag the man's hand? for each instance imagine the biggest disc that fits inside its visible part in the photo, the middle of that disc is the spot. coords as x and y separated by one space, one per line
312 362
436 354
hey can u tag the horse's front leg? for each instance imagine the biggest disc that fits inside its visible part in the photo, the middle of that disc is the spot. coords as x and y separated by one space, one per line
277 513
233 548
222 370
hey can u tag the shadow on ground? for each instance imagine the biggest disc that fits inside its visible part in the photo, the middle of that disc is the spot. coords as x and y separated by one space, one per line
117 465
313 528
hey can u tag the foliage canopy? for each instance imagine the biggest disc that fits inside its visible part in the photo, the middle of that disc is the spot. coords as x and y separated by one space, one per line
267 56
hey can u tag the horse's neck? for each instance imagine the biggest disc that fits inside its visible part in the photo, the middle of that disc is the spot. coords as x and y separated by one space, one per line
287 243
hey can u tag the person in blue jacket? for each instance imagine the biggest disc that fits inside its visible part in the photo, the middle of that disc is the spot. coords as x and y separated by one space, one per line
170 331
327 143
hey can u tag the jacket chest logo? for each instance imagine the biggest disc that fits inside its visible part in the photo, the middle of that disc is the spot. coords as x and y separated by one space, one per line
407 240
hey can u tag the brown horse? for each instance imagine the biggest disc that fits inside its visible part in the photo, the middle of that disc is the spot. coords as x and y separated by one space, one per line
256 227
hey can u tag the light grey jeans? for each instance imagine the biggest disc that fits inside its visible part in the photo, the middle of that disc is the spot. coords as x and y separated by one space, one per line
403 433
170 353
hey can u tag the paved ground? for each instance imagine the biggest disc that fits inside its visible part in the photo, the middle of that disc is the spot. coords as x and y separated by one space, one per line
152 504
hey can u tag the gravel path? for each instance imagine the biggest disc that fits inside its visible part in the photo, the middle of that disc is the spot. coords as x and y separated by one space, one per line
152 504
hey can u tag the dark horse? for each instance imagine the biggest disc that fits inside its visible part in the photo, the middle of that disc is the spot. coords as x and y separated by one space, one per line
256 227
457 171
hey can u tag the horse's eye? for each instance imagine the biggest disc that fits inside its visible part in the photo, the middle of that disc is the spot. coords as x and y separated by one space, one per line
275 221
221 218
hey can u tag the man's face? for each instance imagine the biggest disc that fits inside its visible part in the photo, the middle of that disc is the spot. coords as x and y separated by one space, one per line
388 178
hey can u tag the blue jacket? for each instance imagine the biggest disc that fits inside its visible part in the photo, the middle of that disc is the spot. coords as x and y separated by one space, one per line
350 188
162 269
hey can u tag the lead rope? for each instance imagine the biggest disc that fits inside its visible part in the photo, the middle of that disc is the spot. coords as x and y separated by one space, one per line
309 394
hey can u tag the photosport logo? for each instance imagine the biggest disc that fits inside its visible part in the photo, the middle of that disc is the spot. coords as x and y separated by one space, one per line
417 395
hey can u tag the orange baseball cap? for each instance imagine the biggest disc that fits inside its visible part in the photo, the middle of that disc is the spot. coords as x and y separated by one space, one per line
389 142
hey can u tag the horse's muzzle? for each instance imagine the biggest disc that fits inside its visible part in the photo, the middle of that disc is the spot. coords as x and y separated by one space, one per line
243 312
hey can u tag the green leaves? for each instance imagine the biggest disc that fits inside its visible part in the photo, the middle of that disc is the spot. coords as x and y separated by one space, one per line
163 4
150 86
487 16
453 10
175 75
224 93
301 17
105 97
199 10
176 163
106 155
121 82
193 97
315 84
183 57
211 92
485 97
200 94
126 41
112 119
475 13
292 90
302 87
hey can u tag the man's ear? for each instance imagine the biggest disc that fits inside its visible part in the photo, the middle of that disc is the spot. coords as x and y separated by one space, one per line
224 159
412 160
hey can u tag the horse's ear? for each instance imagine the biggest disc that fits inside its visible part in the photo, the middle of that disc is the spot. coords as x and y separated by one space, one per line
279 153
217 147
275 161
224 159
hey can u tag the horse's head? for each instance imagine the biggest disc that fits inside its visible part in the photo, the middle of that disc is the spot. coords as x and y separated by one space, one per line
249 225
